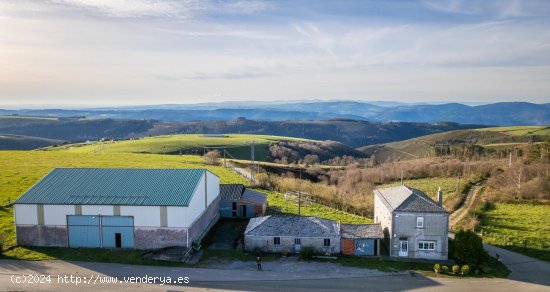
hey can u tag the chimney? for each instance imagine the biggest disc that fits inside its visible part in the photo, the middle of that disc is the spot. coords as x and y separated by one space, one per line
439 197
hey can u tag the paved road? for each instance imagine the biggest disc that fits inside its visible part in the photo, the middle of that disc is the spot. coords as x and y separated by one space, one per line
214 279
524 268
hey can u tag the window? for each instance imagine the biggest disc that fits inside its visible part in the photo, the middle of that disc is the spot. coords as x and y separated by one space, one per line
426 245
297 241
276 240
327 242
419 222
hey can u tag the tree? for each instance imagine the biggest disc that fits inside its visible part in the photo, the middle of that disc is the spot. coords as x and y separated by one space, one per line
468 248
212 157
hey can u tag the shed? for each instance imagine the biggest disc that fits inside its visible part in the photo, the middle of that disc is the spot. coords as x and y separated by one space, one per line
361 239
118 207
239 202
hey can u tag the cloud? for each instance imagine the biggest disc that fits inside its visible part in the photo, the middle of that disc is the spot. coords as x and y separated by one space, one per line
165 8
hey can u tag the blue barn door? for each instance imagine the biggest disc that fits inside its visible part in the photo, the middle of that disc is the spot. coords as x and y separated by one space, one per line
83 231
117 231
364 247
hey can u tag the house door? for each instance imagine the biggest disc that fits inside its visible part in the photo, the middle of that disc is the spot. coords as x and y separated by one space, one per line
244 211
403 248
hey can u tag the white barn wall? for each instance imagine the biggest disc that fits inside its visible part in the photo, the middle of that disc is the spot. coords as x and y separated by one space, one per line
213 187
176 216
57 214
144 216
25 214
106 210
196 206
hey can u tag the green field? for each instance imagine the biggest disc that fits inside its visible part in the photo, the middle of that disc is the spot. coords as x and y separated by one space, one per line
279 205
29 117
236 145
21 169
520 130
508 225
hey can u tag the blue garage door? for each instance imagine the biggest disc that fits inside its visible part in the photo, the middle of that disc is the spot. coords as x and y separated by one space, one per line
117 231
364 247
83 231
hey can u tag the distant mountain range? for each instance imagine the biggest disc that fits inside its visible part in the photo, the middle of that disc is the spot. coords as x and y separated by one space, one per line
500 114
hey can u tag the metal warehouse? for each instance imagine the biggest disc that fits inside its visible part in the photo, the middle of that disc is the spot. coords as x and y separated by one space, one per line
116 207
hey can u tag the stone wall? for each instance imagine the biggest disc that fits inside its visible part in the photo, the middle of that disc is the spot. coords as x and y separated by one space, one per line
266 244
41 235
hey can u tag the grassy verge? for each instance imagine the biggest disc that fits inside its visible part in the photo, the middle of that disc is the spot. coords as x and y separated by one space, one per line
518 227
279 205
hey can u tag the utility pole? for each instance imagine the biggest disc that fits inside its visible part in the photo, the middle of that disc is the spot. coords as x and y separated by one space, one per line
402 177
252 161
510 162
299 203
224 165
180 147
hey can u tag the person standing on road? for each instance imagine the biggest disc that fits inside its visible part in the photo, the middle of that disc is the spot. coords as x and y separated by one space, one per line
259 263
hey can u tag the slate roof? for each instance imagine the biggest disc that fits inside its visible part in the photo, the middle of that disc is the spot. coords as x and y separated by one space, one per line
405 199
115 186
291 226
356 231
254 197
231 191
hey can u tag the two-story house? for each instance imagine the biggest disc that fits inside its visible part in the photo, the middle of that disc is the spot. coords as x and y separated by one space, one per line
416 225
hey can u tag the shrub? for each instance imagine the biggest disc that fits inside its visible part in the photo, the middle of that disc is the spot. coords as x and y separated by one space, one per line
307 252
284 252
437 268
456 269
468 248
445 269
465 269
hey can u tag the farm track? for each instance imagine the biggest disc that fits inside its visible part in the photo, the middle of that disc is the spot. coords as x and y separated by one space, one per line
471 199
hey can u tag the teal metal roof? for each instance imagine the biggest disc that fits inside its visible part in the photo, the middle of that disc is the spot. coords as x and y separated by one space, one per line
115 186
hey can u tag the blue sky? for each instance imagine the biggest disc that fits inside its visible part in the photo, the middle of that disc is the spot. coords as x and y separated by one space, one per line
114 52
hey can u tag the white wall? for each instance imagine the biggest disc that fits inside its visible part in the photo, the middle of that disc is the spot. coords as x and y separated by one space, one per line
196 206
97 210
57 214
213 187
144 216
25 214
177 216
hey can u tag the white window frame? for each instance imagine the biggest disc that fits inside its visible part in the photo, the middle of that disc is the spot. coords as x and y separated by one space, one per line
420 220
426 245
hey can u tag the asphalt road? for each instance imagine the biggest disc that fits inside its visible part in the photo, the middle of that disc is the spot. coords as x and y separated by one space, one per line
89 276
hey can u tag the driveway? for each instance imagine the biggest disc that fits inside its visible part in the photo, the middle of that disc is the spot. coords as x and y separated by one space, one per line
233 280
524 268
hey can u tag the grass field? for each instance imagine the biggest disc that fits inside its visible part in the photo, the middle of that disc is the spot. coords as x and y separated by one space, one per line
520 130
508 225
21 169
279 205
236 145
29 117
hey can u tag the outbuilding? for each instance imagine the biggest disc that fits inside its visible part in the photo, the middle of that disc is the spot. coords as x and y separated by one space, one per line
361 239
118 207
239 202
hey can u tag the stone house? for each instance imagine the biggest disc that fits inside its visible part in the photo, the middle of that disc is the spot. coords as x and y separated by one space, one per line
275 234
416 225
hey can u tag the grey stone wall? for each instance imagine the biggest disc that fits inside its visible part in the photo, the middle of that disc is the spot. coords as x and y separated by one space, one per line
435 229
265 243
40 235
208 218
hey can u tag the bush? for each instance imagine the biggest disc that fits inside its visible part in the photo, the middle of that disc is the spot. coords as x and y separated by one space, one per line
284 252
465 269
437 268
445 269
307 252
468 248
456 269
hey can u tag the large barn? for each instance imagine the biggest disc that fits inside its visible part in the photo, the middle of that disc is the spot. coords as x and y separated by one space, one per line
115 207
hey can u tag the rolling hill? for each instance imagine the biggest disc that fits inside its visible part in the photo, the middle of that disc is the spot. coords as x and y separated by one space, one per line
353 133
486 138
17 142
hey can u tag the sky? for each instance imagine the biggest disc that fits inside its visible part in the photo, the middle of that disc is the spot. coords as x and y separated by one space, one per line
117 52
